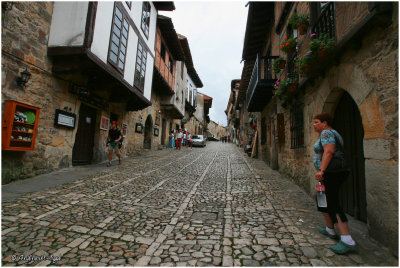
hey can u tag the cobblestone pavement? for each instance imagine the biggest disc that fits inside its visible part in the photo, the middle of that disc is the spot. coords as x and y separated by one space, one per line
211 206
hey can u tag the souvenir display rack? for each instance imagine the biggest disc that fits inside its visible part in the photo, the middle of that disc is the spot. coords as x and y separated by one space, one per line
20 122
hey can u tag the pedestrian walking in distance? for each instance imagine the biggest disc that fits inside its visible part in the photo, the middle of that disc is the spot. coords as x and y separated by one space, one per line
328 143
184 139
114 137
189 139
179 136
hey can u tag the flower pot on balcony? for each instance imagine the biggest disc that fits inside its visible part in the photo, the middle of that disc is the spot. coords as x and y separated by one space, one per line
282 64
292 50
323 52
302 28
292 86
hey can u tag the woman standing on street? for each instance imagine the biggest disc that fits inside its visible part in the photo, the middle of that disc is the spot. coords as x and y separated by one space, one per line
172 140
324 149
189 138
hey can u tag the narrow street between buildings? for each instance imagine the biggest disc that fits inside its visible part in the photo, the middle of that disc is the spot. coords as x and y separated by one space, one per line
211 206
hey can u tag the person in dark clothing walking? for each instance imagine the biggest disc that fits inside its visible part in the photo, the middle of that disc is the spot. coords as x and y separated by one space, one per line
114 137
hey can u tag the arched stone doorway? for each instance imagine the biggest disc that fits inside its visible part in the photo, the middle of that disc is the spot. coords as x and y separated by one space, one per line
348 122
148 127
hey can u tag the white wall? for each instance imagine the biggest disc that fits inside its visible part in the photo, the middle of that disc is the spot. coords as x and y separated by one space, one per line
130 62
73 15
199 113
102 30
180 87
149 77
191 86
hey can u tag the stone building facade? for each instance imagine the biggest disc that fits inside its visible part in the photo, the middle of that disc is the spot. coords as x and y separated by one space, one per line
215 130
240 122
25 45
358 86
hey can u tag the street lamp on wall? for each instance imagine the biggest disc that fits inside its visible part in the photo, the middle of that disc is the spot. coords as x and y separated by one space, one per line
24 78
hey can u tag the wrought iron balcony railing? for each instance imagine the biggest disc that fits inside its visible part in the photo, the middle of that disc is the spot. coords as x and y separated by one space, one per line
326 22
261 83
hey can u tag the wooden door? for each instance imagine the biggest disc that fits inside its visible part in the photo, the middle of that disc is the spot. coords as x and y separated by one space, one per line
274 142
348 123
148 132
82 152
163 131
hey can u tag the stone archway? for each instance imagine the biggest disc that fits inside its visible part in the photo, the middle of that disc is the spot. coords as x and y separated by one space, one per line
348 122
148 131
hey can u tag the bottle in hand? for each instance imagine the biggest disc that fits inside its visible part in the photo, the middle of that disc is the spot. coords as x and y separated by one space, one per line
321 196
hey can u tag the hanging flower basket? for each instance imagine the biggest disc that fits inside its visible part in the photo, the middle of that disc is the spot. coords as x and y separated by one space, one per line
302 28
324 52
292 86
300 22
288 45
282 64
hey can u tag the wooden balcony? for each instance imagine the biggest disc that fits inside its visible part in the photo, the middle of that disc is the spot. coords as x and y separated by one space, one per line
164 80
325 23
261 84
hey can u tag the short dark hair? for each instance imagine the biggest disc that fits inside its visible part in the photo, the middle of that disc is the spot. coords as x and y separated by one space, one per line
324 117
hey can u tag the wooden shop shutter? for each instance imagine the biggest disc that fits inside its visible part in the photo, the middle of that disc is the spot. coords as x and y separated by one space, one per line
263 131
281 128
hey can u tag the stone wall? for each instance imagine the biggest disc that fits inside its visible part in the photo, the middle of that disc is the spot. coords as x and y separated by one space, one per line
24 39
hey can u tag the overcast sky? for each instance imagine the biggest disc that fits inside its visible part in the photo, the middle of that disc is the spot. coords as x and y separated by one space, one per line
215 31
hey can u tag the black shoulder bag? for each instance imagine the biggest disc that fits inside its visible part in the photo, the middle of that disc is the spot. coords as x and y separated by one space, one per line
340 162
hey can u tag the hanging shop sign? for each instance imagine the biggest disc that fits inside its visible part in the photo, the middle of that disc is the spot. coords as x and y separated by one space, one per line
104 123
139 128
84 94
64 119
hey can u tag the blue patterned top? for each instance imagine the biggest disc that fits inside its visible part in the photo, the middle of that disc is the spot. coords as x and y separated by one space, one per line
327 137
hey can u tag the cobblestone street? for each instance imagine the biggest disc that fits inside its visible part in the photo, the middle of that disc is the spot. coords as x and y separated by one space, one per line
211 206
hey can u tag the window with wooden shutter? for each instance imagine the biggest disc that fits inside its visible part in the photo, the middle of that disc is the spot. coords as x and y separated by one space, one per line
118 41
195 98
146 18
296 127
182 69
140 69
171 65
269 134
263 131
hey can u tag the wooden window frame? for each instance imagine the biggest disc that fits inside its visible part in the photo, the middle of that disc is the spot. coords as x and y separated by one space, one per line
121 36
143 24
170 65
194 97
129 4
296 127
182 69
162 51
137 77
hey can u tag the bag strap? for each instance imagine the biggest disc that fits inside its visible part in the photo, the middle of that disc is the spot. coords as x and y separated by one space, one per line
337 142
